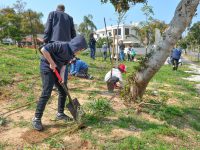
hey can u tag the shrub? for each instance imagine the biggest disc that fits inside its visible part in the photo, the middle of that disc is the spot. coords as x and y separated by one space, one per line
99 107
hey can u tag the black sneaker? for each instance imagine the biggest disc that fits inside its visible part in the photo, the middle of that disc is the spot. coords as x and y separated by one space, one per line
62 116
37 124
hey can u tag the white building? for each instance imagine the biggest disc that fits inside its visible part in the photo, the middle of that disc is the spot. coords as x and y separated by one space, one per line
126 33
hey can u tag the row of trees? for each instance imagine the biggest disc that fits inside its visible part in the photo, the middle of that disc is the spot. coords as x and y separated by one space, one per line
192 39
16 22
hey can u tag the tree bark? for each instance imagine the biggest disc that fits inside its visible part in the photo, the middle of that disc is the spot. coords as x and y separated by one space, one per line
155 59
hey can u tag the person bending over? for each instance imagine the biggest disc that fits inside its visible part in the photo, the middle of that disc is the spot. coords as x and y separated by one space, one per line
114 77
55 56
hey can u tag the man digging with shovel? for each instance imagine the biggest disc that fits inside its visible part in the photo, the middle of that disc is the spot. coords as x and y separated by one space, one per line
55 57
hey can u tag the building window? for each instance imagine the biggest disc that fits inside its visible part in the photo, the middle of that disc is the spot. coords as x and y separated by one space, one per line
109 33
126 31
119 31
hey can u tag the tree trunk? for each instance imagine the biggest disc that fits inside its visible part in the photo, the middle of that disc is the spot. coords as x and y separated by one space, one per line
154 60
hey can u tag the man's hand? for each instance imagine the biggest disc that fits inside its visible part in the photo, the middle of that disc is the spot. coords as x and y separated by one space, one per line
53 66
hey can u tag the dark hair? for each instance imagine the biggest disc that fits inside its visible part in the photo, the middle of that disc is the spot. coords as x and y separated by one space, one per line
61 7
91 35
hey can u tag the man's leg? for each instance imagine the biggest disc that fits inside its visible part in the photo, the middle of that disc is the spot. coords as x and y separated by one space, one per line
47 84
120 56
173 63
104 55
123 55
176 64
94 52
82 73
91 52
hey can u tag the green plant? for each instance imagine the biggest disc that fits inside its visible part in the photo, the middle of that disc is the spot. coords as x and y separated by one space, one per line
100 107
129 143
55 143
22 123
2 121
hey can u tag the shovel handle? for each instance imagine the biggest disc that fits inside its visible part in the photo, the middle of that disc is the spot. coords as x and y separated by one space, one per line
58 75
63 85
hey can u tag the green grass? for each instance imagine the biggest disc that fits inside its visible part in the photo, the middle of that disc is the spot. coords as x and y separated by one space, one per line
174 111
99 107
22 124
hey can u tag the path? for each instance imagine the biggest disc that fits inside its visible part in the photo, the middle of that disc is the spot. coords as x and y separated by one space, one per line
194 71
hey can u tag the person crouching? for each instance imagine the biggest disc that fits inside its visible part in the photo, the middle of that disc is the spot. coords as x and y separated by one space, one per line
79 68
114 76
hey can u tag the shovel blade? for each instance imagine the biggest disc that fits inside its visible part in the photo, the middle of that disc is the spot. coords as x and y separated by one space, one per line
73 107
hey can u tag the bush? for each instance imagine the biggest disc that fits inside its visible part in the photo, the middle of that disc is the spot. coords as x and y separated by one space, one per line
99 107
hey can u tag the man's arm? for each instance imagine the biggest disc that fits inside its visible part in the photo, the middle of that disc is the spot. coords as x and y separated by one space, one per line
49 59
48 28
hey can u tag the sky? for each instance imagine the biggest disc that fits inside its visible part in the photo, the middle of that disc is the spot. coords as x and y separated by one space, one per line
163 10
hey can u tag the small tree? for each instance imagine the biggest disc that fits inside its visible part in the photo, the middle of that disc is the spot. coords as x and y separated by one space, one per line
87 26
148 12
100 42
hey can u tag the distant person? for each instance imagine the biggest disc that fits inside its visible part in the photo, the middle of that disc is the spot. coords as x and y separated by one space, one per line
105 49
79 68
129 52
133 54
55 56
92 45
59 26
175 56
121 51
114 76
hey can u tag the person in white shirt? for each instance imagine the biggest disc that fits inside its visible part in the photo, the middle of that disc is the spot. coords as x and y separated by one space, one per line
114 76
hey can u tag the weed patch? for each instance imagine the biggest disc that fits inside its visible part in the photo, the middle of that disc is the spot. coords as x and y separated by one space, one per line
99 107
2 121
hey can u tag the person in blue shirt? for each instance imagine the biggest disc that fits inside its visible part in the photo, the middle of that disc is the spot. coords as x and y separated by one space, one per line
175 56
79 68
55 56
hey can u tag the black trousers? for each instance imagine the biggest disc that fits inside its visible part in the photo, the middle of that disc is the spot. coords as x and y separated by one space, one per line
48 81
104 55
83 73
111 83
175 63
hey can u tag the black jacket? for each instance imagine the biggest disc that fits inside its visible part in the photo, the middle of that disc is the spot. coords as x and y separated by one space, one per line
62 52
59 27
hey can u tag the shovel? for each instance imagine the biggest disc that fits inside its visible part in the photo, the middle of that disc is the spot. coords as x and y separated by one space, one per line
73 106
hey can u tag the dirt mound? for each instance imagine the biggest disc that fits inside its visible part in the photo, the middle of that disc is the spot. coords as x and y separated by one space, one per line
33 136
